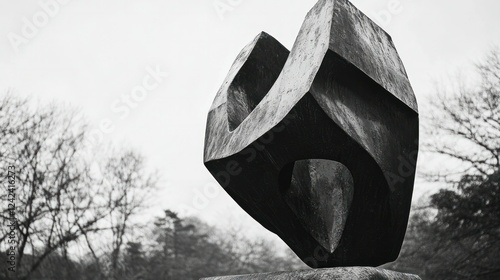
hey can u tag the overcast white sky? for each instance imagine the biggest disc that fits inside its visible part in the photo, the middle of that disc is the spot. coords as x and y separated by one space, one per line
93 53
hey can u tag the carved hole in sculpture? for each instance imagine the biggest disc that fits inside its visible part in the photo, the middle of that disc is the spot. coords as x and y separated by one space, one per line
255 78
319 192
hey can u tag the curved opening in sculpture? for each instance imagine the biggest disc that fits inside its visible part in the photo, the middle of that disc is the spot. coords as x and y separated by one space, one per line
319 192
255 78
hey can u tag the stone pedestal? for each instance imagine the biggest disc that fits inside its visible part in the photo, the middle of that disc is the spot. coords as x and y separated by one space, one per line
339 273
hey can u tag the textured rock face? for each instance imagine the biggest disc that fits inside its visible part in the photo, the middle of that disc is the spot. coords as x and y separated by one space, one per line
319 144
351 273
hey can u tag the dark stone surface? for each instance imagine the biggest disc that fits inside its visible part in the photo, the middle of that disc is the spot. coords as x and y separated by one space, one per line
319 144
327 187
350 273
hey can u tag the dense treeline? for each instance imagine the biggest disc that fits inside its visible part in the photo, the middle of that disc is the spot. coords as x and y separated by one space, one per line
173 248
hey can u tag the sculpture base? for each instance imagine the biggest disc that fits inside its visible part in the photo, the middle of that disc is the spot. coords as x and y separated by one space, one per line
338 273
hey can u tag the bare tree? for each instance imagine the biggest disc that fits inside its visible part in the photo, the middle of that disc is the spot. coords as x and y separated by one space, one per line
129 186
58 200
457 235
52 203
465 125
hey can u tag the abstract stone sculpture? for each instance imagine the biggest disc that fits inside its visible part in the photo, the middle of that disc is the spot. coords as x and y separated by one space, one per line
319 144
